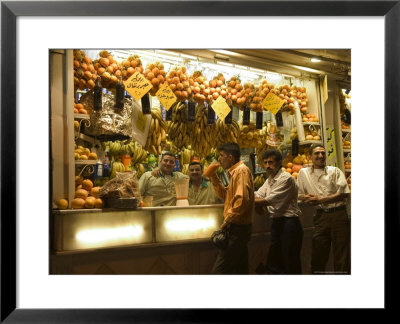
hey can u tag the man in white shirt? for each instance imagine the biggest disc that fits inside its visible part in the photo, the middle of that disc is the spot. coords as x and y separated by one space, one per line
279 197
326 188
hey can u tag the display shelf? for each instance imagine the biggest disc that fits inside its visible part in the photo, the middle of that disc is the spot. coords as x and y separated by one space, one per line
310 142
346 130
81 116
311 123
85 162
347 170
346 150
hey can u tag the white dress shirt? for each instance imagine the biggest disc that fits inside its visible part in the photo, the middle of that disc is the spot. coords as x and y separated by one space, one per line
281 194
322 182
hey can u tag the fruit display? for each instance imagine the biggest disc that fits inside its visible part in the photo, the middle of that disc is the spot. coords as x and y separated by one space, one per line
259 95
311 134
178 81
130 65
179 129
86 195
80 109
108 69
250 136
347 165
200 87
310 118
227 132
344 125
203 137
217 88
84 72
346 144
157 133
155 73
236 93
84 153
117 166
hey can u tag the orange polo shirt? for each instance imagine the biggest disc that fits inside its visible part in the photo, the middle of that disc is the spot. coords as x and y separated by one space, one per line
238 196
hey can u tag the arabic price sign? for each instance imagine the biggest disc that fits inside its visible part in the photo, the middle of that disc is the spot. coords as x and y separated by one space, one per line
137 85
166 96
272 103
221 108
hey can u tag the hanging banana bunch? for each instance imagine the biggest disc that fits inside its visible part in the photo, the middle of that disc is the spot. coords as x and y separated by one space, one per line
203 136
179 128
157 133
227 132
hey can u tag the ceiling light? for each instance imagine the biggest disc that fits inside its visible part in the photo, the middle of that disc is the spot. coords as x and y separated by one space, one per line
315 60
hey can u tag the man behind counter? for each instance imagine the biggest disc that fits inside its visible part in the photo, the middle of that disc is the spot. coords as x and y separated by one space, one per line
201 191
162 187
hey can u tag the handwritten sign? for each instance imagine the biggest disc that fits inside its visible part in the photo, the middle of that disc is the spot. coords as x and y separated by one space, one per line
141 122
221 108
166 96
137 85
272 103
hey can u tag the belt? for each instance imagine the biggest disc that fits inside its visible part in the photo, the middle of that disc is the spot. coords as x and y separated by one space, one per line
330 210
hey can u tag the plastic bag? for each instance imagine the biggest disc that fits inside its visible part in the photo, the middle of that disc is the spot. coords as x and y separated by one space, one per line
124 185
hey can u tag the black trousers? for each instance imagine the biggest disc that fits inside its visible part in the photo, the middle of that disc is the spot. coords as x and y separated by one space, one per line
331 229
284 251
235 259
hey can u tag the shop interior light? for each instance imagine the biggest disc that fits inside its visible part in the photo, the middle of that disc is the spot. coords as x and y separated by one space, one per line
102 235
225 52
189 225
224 63
257 70
167 52
307 69
315 60
191 57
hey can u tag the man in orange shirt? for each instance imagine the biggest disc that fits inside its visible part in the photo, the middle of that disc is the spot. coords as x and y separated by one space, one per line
238 199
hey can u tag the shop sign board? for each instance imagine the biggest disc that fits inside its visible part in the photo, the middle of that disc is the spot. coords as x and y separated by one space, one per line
137 85
166 96
272 103
221 108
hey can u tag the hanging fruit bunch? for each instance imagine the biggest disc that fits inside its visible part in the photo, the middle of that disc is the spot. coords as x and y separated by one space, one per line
203 137
291 94
157 133
236 92
249 136
178 81
217 88
249 92
84 71
179 129
108 69
155 73
200 88
227 132
259 95
131 65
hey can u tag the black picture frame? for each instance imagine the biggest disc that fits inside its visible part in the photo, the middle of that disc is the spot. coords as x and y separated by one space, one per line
10 10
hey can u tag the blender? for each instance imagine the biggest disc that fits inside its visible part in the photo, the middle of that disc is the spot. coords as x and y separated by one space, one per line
182 191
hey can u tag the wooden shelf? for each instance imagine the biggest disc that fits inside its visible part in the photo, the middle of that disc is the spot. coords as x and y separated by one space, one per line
346 130
81 116
85 162
347 170
311 123
346 150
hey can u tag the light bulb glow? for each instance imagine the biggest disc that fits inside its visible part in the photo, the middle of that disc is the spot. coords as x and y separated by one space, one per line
109 234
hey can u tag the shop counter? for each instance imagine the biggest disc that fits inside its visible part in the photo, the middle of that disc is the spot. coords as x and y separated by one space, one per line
152 240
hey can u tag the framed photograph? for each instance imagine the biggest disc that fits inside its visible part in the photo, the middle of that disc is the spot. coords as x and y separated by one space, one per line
25 197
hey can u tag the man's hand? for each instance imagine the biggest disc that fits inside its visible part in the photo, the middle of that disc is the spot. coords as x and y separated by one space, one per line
312 200
156 172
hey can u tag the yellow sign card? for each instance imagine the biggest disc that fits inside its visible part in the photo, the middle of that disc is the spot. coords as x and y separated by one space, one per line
221 108
137 85
272 103
166 96
141 121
